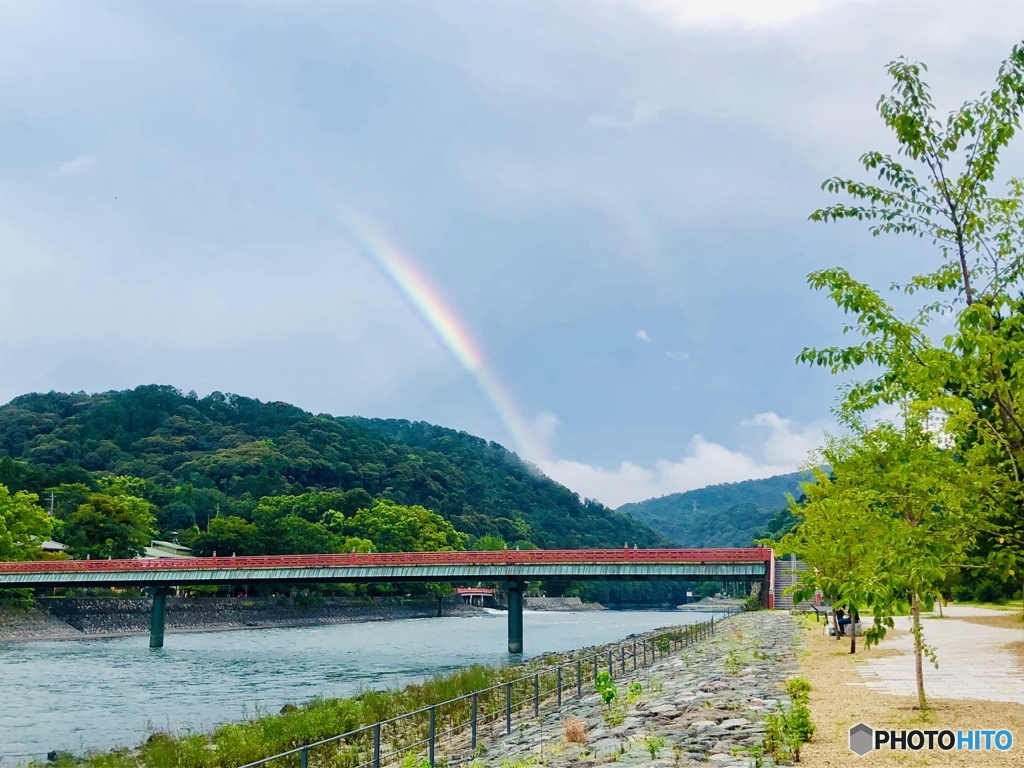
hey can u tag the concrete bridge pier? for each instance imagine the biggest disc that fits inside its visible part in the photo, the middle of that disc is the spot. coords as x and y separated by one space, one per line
515 616
157 616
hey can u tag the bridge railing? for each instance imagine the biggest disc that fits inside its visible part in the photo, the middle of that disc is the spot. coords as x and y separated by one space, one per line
384 559
451 732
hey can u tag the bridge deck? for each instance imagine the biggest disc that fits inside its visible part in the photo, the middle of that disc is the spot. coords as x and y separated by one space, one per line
503 565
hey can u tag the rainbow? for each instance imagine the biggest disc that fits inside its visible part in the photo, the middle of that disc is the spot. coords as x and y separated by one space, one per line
430 304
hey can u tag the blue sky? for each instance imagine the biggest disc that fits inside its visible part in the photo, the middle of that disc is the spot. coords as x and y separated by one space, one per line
611 195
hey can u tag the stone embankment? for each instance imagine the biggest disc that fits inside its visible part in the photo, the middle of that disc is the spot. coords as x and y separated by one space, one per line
703 705
85 617
560 604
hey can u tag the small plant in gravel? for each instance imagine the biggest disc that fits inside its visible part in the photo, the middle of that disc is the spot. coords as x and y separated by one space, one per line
756 755
606 688
575 730
798 689
634 691
654 744
732 663
788 730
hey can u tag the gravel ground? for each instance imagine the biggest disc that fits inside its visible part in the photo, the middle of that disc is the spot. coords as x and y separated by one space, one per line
702 705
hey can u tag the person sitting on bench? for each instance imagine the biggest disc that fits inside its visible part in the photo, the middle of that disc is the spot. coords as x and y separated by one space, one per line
842 619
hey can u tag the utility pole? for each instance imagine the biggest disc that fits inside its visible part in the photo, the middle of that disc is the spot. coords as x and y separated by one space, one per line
51 503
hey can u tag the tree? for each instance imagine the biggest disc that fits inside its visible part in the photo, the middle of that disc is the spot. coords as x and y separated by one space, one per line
974 375
489 543
899 516
228 535
397 528
110 526
841 547
23 525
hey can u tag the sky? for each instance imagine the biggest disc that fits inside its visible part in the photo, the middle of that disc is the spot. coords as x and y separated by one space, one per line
579 229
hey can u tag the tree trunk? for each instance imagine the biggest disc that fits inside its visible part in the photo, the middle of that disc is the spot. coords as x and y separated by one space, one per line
915 605
939 601
835 623
854 618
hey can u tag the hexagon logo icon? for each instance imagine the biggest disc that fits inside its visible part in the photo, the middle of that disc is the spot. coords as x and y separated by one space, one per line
862 739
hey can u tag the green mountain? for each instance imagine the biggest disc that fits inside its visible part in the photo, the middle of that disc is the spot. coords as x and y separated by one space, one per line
218 456
726 515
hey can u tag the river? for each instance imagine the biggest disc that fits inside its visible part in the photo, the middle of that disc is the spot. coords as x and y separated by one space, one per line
96 694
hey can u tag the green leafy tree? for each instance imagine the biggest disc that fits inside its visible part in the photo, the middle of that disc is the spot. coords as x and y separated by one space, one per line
489 543
227 535
843 548
110 526
909 508
397 528
23 525
938 187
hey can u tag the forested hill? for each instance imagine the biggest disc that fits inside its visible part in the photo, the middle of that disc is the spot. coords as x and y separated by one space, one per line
219 455
725 515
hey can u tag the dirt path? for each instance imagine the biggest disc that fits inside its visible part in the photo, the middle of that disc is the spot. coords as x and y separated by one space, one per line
978 685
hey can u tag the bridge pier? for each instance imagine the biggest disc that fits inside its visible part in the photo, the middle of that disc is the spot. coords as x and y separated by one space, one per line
157 616
515 616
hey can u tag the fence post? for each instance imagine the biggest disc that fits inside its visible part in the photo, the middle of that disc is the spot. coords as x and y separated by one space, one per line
473 746
304 758
508 707
559 687
579 679
712 625
595 667
376 746
622 659
634 653
536 694
433 727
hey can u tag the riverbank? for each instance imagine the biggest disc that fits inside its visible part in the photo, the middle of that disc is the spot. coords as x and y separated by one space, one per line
84 618
705 704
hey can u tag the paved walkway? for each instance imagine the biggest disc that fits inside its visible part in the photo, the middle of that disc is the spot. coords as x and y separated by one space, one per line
975 661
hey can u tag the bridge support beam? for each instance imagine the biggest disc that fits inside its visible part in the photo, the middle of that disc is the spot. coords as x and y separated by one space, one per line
515 616
157 616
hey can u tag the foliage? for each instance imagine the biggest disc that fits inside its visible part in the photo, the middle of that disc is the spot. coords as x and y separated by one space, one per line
107 526
724 515
203 458
897 517
654 744
606 687
23 525
634 691
798 690
396 528
937 188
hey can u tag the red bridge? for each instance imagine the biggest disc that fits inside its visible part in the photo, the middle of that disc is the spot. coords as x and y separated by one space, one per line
511 566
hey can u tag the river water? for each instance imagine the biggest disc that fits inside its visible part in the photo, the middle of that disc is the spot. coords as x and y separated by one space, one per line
95 694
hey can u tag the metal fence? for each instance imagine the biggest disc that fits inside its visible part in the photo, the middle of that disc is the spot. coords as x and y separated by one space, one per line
449 733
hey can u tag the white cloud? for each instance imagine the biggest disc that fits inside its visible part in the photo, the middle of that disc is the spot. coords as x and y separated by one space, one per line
81 164
678 356
643 336
786 446
723 13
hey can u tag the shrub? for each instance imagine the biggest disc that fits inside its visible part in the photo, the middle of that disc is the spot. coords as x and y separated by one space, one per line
575 731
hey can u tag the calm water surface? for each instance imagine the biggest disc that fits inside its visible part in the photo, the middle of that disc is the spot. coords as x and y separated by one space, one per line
84 694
